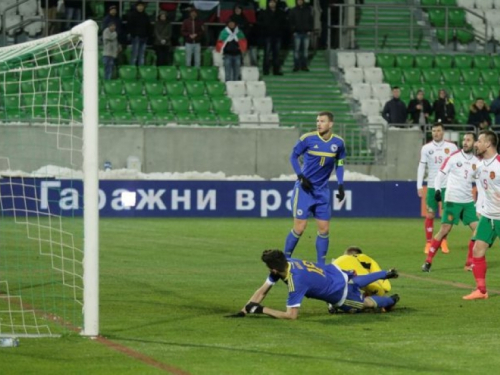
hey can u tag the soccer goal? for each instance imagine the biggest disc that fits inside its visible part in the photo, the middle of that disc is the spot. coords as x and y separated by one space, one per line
49 232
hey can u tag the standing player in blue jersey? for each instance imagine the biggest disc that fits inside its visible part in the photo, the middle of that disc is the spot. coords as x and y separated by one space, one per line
327 283
322 152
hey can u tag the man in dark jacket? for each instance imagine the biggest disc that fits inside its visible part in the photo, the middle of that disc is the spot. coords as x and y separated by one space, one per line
443 108
73 12
139 28
301 23
192 30
395 110
163 36
479 115
271 23
419 109
113 18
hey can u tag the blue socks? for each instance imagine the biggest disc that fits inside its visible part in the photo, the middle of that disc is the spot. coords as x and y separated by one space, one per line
291 241
322 242
382 301
364 280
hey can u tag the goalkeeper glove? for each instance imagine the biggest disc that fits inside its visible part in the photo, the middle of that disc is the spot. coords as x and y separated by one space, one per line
437 196
341 195
239 314
254 308
305 183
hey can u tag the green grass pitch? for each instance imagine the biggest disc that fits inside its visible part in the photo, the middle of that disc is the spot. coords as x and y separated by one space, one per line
166 284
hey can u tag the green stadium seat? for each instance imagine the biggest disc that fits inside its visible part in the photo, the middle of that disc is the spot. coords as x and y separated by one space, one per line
127 72
201 106
29 87
165 117
451 76
209 73
13 114
113 87
207 59
428 91
51 85
385 60
437 17
228 119
424 61
103 106
456 17
393 76
133 88
431 76
150 58
67 70
186 118
463 61
180 105
12 101
101 73
36 113
72 86
195 89
495 91
58 56
53 100
471 76
443 61
444 36
449 3
124 118
479 91
406 93
9 88
138 104
427 3
168 73
435 91
482 62
145 117
222 105
208 119
106 118
117 104
175 88
215 88
461 93
154 89
45 73
148 73
412 77
159 104
76 102
404 61
179 57
188 73
495 61
465 36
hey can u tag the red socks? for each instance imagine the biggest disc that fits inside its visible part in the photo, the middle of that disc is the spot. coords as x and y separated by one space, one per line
468 262
435 244
479 271
429 228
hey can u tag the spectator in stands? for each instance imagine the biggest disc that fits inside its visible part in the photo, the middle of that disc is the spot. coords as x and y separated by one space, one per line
110 49
163 35
271 23
419 109
73 12
479 115
241 21
232 44
192 29
443 108
301 23
495 109
139 28
113 18
395 109
50 10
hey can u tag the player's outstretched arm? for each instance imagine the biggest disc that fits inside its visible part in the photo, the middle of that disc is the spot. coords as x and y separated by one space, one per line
254 308
259 294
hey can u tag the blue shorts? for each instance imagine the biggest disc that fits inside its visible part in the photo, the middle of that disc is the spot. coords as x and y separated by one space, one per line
316 203
354 300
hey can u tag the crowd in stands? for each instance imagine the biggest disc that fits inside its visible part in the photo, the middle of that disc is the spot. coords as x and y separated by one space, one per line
419 111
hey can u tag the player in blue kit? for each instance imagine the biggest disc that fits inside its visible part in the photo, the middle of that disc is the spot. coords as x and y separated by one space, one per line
322 152
313 280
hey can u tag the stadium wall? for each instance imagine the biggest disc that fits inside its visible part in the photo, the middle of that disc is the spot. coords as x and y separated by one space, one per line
234 151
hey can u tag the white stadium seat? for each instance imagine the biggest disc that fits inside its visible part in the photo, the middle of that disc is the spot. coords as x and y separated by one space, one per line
473 19
365 59
249 73
236 89
256 89
263 106
361 91
217 58
271 120
249 120
242 106
373 75
381 91
12 20
496 33
377 119
4 4
222 74
466 3
484 4
353 75
34 29
346 60
28 9
493 16
496 3
370 107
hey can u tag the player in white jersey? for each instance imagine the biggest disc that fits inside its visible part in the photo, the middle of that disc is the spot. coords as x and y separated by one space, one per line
488 229
459 168
432 156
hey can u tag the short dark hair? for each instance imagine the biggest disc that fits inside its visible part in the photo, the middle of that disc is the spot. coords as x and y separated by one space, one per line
395 88
327 114
275 260
436 124
474 136
491 137
353 250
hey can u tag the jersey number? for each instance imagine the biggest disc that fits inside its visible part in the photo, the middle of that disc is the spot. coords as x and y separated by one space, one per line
311 267
438 160
485 184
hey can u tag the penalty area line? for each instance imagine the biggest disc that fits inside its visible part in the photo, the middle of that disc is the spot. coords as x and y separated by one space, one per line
445 282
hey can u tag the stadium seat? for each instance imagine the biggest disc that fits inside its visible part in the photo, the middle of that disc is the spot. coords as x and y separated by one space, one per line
117 104
175 88
427 3
216 89
461 93
346 60
51 85
393 76
195 88
180 105
145 118
495 61
263 106
66 70
242 105
45 73
463 61
226 119
489 76
9 88
201 106
465 36
484 4
271 120
209 73
148 73
168 73
133 88
443 61
381 91
385 60
471 76
138 104
412 76
221 105
159 104
235 89
222 74
370 107
124 118
179 57
208 119
217 58
206 58
361 91
249 73
188 73
404 61
127 72
373 75
365 59
256 89
431 76
154 89
456 17
445 36
482 62
29 87
248 119
113 87
437 17
377 119
451 76
406 93
186 118
478 91
424 61
449 3
28 9
353 75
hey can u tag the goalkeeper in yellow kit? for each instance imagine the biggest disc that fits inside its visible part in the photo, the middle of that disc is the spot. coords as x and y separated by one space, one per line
354 260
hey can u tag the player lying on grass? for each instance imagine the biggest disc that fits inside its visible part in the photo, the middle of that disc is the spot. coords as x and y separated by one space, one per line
313 280
354 260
